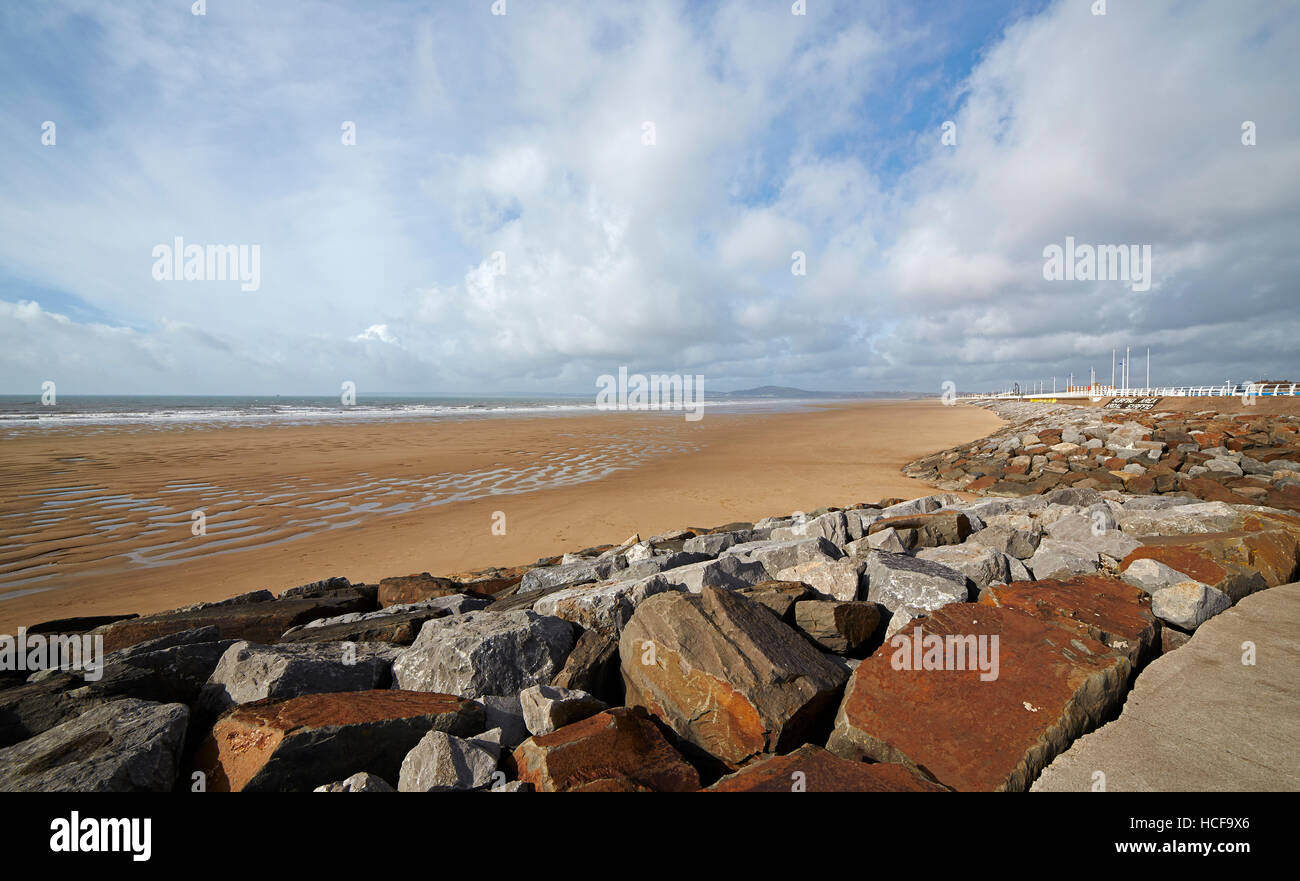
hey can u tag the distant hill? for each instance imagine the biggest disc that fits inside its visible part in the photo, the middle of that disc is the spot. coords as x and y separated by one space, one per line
782 391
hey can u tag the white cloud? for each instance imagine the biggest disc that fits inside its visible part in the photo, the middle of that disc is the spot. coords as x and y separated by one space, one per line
522 135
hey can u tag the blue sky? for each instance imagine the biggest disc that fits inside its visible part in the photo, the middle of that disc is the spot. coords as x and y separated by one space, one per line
521 135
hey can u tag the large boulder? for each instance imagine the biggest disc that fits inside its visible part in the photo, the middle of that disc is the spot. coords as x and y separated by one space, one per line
619 750
1061 559
249 672
1018 543
1262 554
362 781
1091 532
981 565
926 530
908 586
1188 604
410 589
398 625
831 579
578 572
729 571
443 762
726 675
779 555
257 617
979 697
125 745
32 707
812 769
309 741
482 653
602 605
1108 610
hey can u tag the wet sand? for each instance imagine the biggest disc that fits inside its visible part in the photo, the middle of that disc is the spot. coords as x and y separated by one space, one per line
101 521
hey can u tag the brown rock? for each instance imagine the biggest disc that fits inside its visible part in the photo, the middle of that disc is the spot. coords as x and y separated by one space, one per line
309 741
837 626
415 588
399 629
1052 684
1171 639
726 675
593 666
823 771
1264 554
262 622
619 750
932 530
779 596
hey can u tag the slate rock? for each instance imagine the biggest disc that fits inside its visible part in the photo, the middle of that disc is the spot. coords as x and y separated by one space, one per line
124 745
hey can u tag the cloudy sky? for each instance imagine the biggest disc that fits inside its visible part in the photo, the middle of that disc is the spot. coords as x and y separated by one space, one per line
518 142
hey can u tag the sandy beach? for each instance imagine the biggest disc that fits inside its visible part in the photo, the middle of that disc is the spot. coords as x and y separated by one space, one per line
100 521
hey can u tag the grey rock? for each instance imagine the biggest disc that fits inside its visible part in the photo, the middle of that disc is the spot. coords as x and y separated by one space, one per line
126 745
714 543
1018 543
445 763
1152 575
578 572
1061 559
362 781
547 708
897 581
506 713
248 672
779 555
729 571
835 626
832 579
609 604
1188 519
485 653
832 526
1188 604
982 565
1090 532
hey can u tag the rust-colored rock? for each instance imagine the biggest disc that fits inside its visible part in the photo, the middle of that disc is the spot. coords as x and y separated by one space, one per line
1110 611
309 741
619 750
812 769
1051 683
1240 562
726 674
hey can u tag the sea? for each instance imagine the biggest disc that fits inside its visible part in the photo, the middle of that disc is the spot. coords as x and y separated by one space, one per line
19 412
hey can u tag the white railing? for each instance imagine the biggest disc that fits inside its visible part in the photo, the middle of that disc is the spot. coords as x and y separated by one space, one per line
1224 390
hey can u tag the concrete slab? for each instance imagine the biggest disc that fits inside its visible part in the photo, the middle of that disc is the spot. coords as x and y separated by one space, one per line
1201 720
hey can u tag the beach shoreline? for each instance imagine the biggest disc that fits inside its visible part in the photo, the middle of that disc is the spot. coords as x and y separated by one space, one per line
303 498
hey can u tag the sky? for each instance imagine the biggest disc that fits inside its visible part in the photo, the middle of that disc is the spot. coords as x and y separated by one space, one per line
538 198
